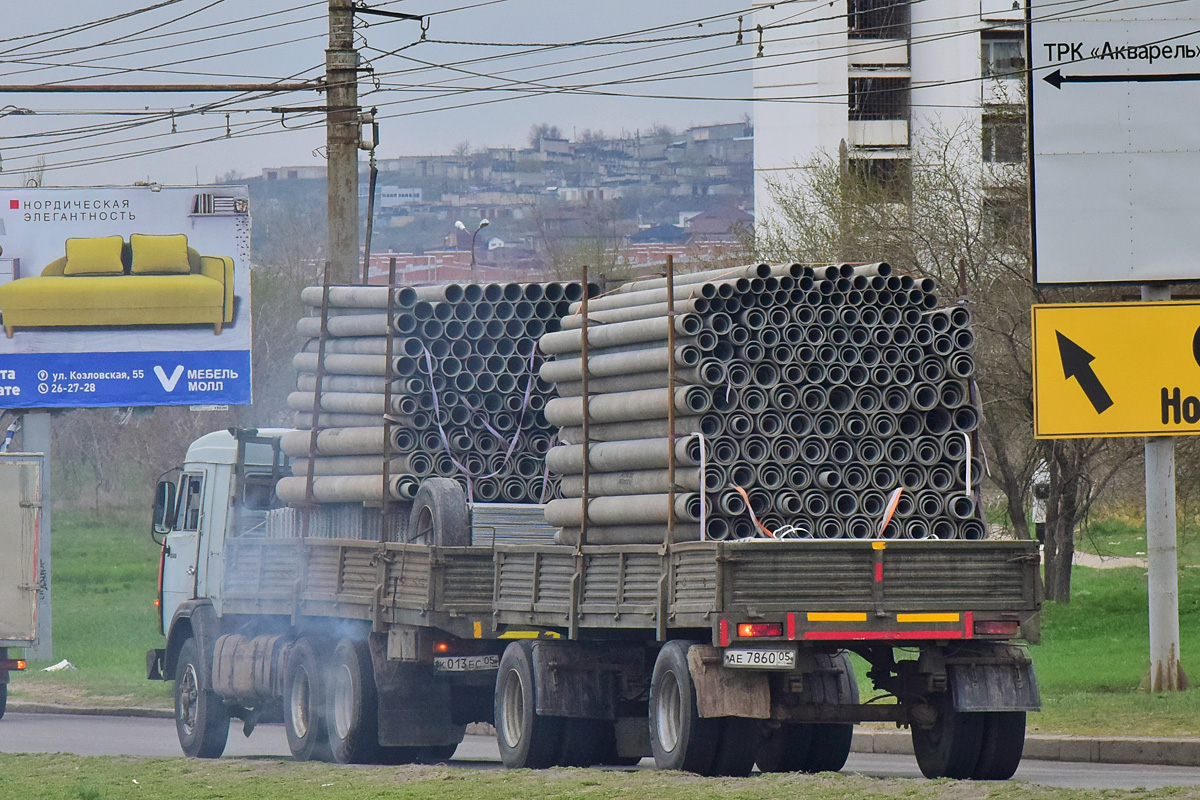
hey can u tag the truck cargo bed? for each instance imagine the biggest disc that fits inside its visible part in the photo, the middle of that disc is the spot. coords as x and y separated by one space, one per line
874 582
443 587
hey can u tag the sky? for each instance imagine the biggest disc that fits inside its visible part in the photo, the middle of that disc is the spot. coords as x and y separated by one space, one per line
484 73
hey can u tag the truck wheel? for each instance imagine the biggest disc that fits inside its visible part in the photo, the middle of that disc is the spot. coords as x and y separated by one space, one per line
201 719
526 738
784 749
352 705
1003 743
830 742
950 747
737 747
586 742
432 754
439 515
679 737
303 703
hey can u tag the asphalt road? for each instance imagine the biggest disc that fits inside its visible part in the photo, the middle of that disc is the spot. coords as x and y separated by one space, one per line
105 736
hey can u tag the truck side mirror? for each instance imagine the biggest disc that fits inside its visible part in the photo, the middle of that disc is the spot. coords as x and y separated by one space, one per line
164 508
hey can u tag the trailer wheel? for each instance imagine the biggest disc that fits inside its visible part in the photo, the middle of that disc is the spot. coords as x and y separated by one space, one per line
950 747
737 747
432 754
784 749
352 705
809 746
586 742
526 738
439 515
303 703
201 719
830 742
679 737
1003 743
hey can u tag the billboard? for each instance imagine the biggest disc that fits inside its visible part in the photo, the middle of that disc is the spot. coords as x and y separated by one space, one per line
131 296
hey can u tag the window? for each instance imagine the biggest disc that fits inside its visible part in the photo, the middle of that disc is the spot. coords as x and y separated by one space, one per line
878 19
884 179
1006 210
191 495
1004 135
878 98
1002 54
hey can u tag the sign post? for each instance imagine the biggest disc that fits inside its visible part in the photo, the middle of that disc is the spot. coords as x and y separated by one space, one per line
1113 93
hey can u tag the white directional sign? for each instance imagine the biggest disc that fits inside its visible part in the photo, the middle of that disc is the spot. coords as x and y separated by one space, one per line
1114 142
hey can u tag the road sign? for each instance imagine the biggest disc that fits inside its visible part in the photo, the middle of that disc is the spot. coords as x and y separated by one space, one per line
1116 369
1114 95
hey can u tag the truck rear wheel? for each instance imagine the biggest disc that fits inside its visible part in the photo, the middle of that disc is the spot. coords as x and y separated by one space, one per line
526 738
679 737
810 746
352 705
303 703
950 747
1003 743
439 515
201 719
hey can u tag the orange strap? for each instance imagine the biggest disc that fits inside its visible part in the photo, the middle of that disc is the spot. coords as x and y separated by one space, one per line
770 534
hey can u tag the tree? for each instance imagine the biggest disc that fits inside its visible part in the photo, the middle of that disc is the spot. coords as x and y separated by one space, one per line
948 215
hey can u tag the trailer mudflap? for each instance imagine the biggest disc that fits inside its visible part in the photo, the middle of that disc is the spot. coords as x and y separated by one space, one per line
722 692
154 664
579 681
996 679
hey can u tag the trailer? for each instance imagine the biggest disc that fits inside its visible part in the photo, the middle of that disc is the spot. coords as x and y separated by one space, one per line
20 580
378 638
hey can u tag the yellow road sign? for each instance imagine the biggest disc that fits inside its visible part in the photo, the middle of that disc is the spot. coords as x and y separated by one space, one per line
1116 369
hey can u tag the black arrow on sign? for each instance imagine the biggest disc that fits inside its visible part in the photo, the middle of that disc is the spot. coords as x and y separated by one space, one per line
1077 364
1057 79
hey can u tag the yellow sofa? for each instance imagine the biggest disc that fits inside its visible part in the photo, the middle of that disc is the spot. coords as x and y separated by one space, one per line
149 280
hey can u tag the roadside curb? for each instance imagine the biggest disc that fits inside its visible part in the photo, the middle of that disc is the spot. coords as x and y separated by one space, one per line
1048 747
1038 747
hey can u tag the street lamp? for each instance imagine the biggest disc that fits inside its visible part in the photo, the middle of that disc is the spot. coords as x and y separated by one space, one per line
483 223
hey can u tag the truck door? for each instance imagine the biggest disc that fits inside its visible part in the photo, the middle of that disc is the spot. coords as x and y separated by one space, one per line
20 513
182 555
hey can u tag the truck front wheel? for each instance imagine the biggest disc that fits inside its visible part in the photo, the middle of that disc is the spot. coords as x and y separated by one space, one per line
303 703
679 737
353 707
201 719
526 738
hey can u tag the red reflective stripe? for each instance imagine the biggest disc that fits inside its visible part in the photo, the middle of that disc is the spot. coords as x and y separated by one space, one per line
879 572
969 624
855 635
724 628
791 625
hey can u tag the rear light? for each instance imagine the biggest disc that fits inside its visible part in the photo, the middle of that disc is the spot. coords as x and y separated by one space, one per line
997 627
13 664
752 630
441 647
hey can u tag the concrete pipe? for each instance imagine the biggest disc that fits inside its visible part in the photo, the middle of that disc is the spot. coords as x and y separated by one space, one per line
943 529
771 423
814 450
731 503
358 383
932 370
788 503
972 530
686 278
486 490
346 489
622 363
884 477
622 333
628 534
910 424
855 477
631 482
883 424
872 503
346 402
927 450
841 452
844 503
709 424
859 527
899 450
418 464
573 321
799 476
940 478
930 504
912 477
954 394
828 479
799 424
349 296
651 297
641 454
723 451
338 364
816 504
638 509
830 528
961 507
626 406
938 421
906 505
743 475
755 449
965 419
760 501
742 528
334 442
962 365
916 529
636 381
953 446
827 424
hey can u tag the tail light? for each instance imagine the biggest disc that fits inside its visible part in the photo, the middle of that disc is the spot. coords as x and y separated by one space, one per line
15 664
997 627
753 630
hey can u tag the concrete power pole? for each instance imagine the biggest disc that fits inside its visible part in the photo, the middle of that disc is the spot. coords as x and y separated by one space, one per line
342 136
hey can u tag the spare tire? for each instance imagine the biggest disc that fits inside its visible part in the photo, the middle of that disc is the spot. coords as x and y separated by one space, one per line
439 515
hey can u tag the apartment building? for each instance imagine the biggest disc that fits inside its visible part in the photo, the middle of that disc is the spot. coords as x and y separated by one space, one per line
866 77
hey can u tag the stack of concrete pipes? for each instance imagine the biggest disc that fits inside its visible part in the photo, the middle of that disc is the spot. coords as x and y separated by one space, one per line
414 382
803 398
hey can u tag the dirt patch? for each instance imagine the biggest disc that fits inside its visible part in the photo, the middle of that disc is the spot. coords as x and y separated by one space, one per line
1094 561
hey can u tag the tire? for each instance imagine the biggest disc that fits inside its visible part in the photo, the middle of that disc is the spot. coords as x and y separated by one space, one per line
737 747
201 719
951 747
586 742
352 706
1003 743
526 738
679 737
784 749
830 742
432 754
439 515
303 703
809 746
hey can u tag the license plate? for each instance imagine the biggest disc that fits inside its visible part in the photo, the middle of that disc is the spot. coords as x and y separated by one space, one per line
762 658
465 663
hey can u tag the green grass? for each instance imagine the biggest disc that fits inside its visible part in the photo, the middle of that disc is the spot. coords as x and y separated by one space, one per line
1090 664
58 777
105 573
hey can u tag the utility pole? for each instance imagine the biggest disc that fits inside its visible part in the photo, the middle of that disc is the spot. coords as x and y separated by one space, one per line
342 137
